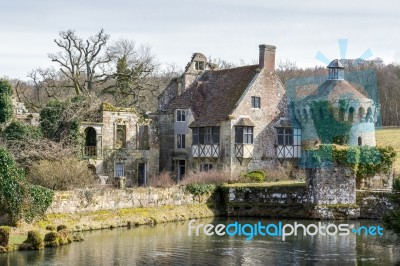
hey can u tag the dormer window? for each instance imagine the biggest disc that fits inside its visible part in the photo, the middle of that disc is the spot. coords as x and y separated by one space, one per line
255 102
199 65
180 115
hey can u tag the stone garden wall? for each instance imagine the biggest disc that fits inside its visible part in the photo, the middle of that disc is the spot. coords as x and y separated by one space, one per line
273 202
374 204
88 200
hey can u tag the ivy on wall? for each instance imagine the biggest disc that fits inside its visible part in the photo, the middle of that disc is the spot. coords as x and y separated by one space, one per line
328 127
364 160
18 198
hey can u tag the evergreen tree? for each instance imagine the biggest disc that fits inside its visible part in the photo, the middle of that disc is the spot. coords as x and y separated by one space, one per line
6 109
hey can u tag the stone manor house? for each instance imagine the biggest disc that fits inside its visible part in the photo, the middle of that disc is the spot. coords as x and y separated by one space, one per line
236 119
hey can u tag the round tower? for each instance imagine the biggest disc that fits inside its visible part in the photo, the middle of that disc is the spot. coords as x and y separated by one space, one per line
336 112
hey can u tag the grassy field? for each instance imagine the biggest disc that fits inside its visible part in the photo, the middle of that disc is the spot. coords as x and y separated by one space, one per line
390 137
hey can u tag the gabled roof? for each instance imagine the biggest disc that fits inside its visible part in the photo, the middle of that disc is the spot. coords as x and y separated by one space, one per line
213 96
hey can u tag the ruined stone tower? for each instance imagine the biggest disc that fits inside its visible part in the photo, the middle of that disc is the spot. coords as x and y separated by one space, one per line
336 112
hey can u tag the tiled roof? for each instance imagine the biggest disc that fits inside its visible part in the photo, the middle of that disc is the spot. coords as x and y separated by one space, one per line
214 95
334 90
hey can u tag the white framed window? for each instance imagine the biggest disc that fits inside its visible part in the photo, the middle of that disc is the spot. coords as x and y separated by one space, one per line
199 65
180 141
244 135
205 135
119 169
205 167
255 102
285 136
180 115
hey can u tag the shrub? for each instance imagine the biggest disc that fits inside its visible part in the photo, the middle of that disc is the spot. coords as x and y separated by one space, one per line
4 235
256 176
61 175
163 180
200 189
391 219
396 184
364 160
18 198
51 239
50 228
18 130
34 241
60 120
6 109
210 177
51 118
64 237
61 227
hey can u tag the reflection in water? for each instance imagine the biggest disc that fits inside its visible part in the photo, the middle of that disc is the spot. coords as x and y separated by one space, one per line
170 244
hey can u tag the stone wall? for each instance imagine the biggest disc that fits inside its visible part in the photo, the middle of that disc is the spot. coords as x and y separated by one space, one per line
272 202
274 105
381 181
374 204
112 199
166 138
331 185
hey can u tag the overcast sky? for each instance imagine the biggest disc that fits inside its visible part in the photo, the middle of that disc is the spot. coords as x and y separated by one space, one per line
230 30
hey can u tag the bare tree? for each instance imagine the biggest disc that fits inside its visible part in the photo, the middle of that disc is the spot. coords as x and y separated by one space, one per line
44 85
220 63
287 70
131 77
78 59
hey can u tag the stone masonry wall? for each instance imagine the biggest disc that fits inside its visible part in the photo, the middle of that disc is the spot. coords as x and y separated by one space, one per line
106 199
274 105
331 185
373 204
272 202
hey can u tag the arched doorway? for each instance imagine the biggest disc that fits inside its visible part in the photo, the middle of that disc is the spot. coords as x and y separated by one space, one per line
361 113
351 115
359 141
90 142
92 168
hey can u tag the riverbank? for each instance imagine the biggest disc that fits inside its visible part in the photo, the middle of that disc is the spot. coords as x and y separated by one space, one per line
286 199
108 219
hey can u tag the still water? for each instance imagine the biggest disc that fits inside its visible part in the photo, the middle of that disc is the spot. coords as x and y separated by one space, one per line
169 244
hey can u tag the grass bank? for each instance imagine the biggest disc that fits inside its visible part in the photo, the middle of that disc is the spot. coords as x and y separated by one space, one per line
390 137
107 219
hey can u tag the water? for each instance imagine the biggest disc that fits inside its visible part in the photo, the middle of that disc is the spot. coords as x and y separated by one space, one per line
169 244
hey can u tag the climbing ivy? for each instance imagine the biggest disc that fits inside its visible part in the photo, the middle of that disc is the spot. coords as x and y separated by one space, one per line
364 160
328 127
18 198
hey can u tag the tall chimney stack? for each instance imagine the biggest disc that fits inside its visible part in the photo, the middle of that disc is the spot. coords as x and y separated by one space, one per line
267 57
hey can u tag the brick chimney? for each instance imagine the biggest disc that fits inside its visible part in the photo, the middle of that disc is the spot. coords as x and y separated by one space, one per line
267 57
